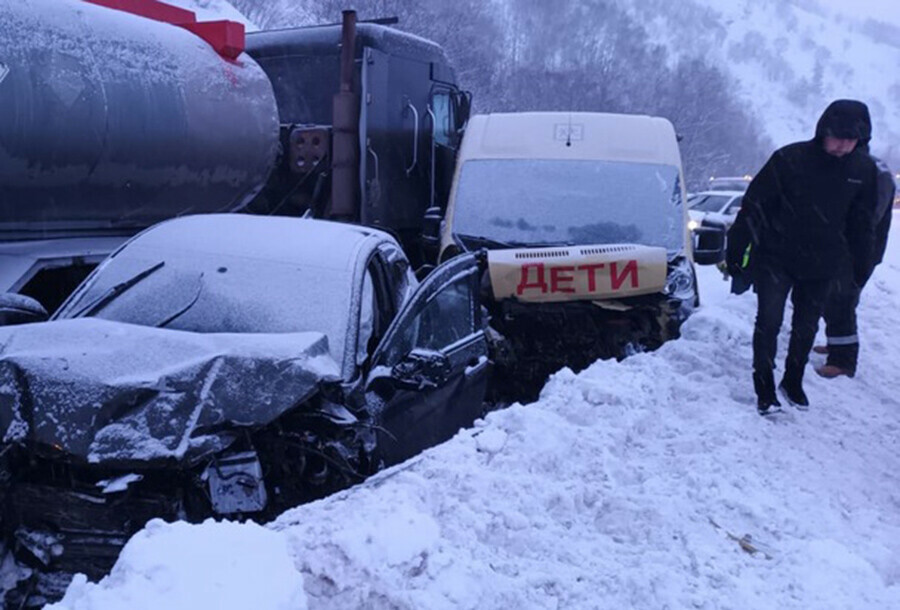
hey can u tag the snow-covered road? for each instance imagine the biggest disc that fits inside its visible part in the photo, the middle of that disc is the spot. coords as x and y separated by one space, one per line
625 486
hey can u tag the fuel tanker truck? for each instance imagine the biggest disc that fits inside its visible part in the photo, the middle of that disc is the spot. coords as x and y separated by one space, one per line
118 114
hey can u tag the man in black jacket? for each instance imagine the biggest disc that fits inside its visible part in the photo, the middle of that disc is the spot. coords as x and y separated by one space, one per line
805 219
840 310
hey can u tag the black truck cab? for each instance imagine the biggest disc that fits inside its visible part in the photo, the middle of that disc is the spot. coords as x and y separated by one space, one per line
369 136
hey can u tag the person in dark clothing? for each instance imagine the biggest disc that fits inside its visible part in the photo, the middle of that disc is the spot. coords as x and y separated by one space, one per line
805 220
840 311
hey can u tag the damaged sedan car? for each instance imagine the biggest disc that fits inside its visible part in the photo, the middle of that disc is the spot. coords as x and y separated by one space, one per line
225 366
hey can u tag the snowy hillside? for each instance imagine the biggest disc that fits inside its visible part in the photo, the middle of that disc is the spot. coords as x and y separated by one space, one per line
789 58
650 483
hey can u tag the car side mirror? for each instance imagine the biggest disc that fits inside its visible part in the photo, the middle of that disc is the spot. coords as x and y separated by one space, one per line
20 309
709 244
421 369
463 108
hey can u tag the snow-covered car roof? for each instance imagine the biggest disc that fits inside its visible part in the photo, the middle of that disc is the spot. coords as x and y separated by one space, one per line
239 273
722 183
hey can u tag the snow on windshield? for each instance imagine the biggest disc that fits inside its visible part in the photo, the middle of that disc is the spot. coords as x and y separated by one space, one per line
529 201
222 293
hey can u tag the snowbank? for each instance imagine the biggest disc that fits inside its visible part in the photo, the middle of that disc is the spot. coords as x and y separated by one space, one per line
630 485
183 567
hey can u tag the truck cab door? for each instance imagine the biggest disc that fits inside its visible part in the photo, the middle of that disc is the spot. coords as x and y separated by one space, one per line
393 151
411 113
430 372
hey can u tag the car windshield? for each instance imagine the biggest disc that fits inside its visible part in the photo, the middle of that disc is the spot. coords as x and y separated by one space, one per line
708 203
218 293
542 201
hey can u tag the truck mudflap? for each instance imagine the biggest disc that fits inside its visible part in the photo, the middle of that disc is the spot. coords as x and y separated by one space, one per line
577 273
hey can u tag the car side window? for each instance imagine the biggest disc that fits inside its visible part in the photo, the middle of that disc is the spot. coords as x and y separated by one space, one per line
735 206
446 317
377 303
368 319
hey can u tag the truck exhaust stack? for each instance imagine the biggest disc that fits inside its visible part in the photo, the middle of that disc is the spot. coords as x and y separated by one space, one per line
345 148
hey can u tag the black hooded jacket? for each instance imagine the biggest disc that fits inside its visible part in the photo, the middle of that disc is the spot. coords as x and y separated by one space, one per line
809 212
886 191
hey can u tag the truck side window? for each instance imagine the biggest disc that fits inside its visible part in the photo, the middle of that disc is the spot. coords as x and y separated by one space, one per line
442 106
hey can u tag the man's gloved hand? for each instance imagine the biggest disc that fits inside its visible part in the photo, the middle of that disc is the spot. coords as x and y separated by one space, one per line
737 260
733 268
722 266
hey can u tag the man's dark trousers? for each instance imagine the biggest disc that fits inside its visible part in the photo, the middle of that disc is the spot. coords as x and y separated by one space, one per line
773 283
840 325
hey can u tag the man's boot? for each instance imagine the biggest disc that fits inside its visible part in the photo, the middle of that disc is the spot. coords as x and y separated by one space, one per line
830 371
791 387
841 361
764 384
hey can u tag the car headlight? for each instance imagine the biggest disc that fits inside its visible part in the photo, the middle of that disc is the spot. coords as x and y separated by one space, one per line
693 224
680 283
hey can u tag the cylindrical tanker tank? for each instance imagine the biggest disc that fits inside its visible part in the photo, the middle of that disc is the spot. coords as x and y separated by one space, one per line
111 120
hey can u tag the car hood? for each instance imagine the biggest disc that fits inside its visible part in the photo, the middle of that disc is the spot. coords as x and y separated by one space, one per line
695 215
115 393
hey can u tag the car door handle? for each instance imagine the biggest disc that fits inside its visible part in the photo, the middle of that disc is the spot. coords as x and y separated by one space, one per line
476 365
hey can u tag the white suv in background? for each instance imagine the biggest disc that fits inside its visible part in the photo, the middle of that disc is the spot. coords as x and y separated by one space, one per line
716 206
